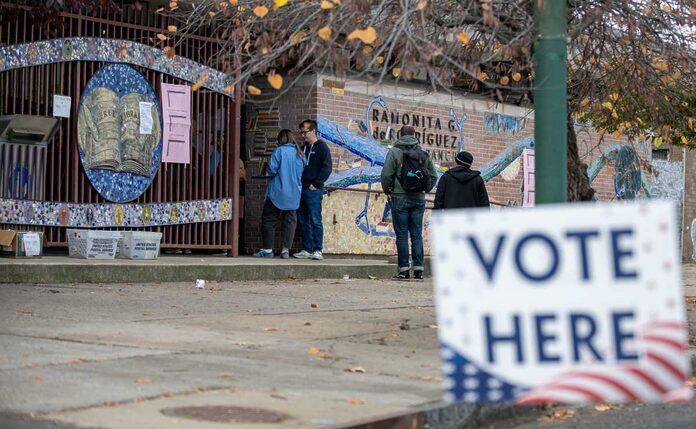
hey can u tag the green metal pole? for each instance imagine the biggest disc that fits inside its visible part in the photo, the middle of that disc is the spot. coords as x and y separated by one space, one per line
550 116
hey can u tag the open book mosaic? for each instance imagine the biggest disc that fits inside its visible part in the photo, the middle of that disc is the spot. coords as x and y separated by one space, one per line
119 133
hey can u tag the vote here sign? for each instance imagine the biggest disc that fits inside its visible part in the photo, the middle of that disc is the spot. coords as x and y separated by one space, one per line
561 303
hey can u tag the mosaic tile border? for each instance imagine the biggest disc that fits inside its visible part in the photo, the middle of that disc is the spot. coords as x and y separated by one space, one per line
53 213
113 51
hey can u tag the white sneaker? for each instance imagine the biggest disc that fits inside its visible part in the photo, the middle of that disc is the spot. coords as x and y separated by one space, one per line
303 255
317 255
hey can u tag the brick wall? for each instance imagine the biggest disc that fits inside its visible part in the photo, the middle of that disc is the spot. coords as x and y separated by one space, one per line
341 208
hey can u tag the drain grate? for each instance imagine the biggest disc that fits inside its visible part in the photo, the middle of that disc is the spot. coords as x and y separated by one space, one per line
225 414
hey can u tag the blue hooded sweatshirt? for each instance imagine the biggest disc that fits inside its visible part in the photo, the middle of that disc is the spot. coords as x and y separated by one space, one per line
285 170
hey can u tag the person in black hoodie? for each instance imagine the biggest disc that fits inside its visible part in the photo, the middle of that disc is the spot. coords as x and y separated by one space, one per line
317 170
461 187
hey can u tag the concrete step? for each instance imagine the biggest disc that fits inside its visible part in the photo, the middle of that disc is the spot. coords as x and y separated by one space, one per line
62 269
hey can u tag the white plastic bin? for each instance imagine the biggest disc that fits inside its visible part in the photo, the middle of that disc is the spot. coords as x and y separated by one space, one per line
90 244
140 245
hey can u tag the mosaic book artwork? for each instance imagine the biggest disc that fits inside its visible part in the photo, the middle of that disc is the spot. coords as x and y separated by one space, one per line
50 213
120 159
112 51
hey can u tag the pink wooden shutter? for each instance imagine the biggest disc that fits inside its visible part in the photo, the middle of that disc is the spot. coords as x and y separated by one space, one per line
176 118
528 177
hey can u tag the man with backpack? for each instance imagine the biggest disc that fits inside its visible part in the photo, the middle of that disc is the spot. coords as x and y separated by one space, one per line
407 175
461 187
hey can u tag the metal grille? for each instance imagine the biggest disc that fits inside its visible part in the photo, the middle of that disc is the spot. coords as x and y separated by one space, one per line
215 123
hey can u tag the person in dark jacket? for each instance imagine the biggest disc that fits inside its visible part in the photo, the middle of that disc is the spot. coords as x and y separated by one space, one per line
317 170
461 187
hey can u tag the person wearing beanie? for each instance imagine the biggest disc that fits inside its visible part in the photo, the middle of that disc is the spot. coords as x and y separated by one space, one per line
461 187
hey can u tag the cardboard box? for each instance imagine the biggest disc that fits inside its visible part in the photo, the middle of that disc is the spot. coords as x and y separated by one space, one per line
21 244
140 245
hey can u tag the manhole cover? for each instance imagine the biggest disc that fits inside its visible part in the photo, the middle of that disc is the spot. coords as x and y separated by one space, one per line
225 414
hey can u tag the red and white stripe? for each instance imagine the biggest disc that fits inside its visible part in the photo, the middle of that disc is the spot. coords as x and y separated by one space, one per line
661 375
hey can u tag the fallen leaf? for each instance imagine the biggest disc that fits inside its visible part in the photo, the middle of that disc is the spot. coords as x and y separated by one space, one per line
38 378
261 11
270 329
603 407
143 380
312 350
356 369
275 80
373 277
24 311
368 35
147 314
357 401
275 395
308 323
251 89
313 305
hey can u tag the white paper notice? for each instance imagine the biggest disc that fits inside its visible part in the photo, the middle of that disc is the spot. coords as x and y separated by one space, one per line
61 106
32 244
145 117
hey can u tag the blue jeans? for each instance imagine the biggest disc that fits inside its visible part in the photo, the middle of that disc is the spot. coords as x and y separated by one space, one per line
309 216
407 216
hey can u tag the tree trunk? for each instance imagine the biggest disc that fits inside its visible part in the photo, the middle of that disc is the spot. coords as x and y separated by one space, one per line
579 188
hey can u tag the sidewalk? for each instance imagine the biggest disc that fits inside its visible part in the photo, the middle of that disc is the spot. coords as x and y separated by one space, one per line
62 269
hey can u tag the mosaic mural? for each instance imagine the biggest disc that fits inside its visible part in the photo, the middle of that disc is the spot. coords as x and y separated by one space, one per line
119 160
498 123
46 213
113 51
629 178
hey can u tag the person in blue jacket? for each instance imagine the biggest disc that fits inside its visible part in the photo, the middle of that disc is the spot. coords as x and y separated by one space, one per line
283 194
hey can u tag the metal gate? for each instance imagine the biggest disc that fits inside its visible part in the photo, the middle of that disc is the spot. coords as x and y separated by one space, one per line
214 169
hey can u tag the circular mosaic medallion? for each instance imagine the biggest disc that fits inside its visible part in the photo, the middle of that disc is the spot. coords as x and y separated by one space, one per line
119 133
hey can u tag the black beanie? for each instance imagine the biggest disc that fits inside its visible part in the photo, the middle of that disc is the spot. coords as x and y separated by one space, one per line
464 158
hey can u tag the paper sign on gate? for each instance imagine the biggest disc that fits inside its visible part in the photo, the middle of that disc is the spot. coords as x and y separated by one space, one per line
561 303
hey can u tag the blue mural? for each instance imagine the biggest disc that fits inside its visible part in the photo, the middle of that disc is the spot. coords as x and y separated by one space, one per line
629 177
497 123
120 158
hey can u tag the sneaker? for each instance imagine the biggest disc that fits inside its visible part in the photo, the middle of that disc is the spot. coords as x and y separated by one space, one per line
285 254
302 255
404 275
317 256
418 274
263 254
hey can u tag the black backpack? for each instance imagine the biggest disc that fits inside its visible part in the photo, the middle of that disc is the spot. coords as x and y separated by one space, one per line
414 170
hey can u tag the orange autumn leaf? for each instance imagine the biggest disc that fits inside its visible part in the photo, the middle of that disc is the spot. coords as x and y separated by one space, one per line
357 401
261 11
275 80
143 380
326 4
313 350
380 60
504 80
162 37
483 76
24 311
516 77
172 28
297 37
169 51
38 378
251 89
212 14
463 37
368 35
324 33
422 4
271 329
396 72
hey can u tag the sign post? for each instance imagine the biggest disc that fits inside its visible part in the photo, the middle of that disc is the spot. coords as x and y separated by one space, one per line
563 304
